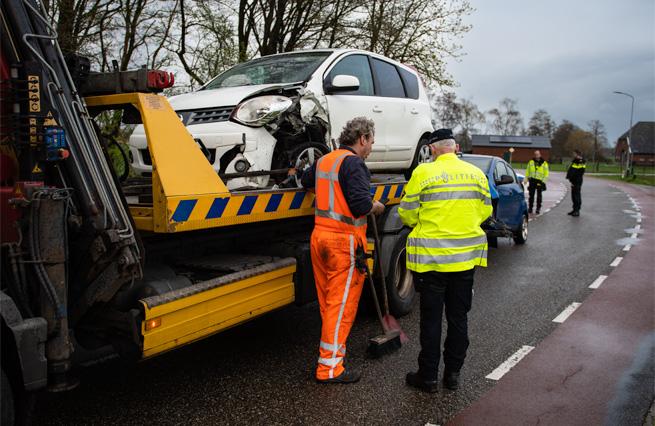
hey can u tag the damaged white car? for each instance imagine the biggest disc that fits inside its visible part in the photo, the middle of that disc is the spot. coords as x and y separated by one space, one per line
260 118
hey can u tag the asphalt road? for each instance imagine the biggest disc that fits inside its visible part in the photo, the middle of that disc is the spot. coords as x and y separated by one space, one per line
263 372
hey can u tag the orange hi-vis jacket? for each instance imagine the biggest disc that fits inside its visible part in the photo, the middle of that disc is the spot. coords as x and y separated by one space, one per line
336 236
332 211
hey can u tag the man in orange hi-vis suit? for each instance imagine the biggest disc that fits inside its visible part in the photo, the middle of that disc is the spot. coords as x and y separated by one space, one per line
341 182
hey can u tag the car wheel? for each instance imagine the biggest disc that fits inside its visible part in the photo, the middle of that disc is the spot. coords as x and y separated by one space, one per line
422 155
303 156
399 281
521 234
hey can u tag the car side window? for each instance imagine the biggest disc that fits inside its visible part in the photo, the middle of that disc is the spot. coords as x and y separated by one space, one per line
391 84
507 171
512 173
499 170
358 66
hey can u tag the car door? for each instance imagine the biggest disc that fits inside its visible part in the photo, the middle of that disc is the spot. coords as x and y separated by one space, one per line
345 106
403 119
510 195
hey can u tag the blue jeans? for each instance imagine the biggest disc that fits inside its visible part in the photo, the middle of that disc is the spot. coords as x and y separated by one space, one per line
454 290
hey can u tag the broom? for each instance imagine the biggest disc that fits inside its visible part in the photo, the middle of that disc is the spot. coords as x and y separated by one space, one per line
392 336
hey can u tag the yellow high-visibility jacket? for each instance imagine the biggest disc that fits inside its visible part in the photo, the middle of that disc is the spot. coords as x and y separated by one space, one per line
445 202
534 171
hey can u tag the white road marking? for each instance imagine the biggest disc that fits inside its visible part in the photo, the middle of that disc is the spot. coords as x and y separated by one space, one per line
627 248
567 312
616 261
598 281
511 362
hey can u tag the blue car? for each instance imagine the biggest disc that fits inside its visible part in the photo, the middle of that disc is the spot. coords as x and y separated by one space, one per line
510 214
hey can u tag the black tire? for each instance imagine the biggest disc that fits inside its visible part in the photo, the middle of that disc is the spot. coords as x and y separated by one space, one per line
422 155
304 155
399 281
521 234
8 409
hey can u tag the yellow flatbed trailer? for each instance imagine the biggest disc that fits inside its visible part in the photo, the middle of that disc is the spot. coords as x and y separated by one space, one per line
188 195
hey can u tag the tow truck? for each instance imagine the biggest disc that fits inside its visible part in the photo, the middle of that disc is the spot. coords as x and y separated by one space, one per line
145 266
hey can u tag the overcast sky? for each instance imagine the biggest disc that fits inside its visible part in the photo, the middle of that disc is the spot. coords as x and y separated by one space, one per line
564 56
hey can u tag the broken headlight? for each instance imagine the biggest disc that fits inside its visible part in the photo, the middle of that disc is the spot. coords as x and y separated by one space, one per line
260 111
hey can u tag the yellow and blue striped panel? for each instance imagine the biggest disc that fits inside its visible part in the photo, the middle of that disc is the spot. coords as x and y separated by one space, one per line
210 211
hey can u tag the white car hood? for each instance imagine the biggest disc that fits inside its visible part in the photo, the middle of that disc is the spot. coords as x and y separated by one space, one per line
226 96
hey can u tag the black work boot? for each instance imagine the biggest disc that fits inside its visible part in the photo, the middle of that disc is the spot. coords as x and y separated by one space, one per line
451 380
413 379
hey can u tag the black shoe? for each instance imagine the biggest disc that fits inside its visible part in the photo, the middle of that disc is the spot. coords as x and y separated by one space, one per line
413 379
345 377
451 381
530 210
576 213
538 211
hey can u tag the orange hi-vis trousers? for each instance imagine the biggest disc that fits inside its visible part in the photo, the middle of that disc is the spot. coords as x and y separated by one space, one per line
339 287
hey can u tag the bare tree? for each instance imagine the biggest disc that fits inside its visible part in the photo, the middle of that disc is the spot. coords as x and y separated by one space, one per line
558 141
598 135
206 45
469 117
580 140
506 120
541 124
445 110
416 32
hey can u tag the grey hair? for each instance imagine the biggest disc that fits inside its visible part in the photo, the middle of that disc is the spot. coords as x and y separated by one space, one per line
444 143
354 129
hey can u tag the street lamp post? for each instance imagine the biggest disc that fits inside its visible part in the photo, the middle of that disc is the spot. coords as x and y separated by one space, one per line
629 163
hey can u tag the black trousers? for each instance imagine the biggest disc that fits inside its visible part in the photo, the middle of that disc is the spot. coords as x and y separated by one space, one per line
576 196
454 290
532 187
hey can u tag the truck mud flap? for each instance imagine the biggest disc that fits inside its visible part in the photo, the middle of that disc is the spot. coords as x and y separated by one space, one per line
183 316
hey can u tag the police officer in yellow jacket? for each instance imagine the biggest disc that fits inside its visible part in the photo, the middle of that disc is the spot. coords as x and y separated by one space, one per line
445 203
536 173
342 184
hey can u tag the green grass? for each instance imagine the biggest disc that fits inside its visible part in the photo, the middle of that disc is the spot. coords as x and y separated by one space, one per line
594 168
639 180
643 175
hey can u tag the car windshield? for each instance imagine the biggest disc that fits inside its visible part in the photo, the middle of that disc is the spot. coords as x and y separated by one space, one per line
277 69
482 163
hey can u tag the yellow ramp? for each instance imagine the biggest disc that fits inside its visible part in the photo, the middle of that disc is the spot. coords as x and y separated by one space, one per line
183 316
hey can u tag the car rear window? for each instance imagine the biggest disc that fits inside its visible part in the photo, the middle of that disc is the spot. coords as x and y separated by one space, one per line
411 83
274 69
481 163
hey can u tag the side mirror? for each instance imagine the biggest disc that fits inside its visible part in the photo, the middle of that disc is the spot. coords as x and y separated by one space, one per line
504 179
342 83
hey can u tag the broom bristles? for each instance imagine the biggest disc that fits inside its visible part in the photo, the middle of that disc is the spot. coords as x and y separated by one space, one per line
384 344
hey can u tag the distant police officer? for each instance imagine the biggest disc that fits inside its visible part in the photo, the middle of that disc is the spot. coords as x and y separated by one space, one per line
445 202
574 175
342 184
536 173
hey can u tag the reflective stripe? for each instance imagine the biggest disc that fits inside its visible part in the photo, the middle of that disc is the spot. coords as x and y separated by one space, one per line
330 362
413 205
452 195
444 259
579 166
331 347
341 218
455 185
439 243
